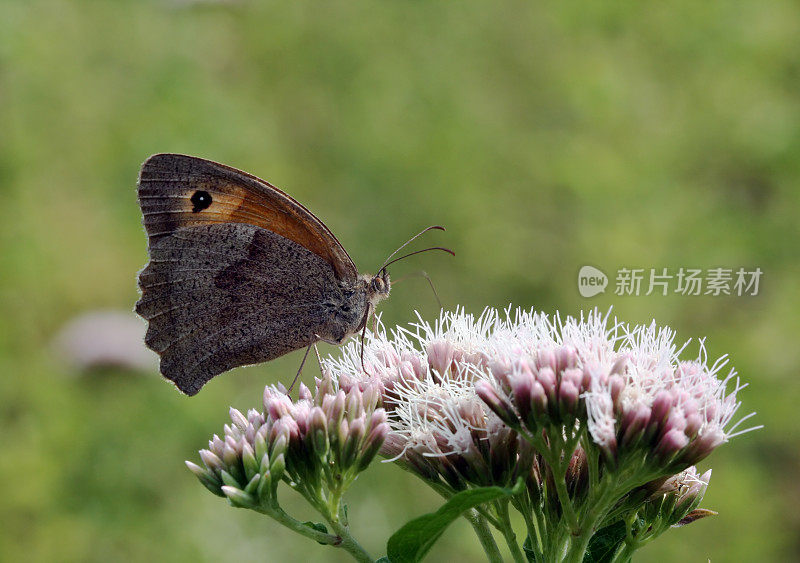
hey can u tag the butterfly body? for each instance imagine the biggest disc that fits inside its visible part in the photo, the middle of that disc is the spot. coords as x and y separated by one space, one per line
239 273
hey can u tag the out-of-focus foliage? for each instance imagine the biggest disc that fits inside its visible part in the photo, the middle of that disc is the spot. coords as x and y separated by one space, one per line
545 136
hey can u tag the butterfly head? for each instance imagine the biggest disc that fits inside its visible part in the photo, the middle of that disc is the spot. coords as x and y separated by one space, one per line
379 286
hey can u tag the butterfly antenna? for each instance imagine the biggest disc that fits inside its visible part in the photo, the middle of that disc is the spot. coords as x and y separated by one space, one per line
383 268
409 241
423 274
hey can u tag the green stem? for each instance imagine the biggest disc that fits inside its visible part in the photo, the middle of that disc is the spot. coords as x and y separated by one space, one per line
277 514
535 527
624 552
593 462
349 543
330 511
563 496
553 457
508 531
485 536
579 541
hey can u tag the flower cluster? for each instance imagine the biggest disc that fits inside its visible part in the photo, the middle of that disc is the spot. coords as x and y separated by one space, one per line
585 410
625 384
440 427
632 392
678 497
248 464
602 422
317 444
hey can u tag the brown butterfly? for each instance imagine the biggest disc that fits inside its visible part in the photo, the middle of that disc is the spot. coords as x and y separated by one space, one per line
241 273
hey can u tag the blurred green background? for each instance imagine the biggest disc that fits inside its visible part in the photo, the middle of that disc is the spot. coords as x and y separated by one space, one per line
545 136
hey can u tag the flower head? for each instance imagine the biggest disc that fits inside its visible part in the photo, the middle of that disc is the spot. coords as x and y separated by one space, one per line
319 442
459 387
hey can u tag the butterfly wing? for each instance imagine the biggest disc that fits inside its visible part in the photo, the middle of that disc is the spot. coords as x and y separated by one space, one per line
178 191
239 272
224 295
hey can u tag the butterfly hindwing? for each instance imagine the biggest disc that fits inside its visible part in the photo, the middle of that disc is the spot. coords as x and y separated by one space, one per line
222 295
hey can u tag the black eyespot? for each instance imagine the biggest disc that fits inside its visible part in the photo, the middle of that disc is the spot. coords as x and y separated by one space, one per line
200 200
345 308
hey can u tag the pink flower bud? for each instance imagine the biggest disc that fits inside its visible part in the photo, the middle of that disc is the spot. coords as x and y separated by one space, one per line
336 407
355 406
566 357
586 380
300 415
352 443
568 397
675 421
318 431
216 445
670 444
694 421
377 418
662 405
501 369
343 430
546 359
346 382
573 375
212 461
388 357
372 444
615 386
371 397
415 360
711 412
303 393
703 445
392 445
521 384
278 406
633 426
230 456
547 379
324 387
406 370
238 419
440 356
620 365
538 399
499 406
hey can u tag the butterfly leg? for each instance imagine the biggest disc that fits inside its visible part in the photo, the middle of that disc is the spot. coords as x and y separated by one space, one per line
319 358
363 335
300 369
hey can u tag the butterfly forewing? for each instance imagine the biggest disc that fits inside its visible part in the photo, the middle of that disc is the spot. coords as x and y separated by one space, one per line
178 191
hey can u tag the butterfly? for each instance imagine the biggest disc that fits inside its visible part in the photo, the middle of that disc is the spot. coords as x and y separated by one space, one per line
240 273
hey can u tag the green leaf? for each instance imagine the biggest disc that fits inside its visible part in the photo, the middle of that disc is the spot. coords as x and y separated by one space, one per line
604 543
410 543
318 526
383 559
